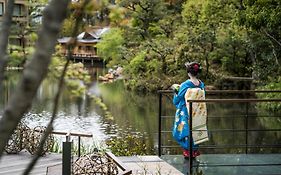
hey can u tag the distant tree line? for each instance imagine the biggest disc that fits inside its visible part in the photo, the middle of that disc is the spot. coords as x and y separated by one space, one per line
153 39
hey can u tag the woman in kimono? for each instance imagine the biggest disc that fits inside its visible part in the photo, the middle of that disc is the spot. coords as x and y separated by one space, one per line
181 127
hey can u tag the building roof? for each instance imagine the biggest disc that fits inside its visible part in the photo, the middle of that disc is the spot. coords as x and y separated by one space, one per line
92 36
64 39
95 33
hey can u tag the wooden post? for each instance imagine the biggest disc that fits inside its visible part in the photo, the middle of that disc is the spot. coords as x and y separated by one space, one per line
66 156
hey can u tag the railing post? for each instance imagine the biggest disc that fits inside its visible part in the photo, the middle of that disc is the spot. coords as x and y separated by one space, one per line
190 139
159 125
79 146
246 127
66 156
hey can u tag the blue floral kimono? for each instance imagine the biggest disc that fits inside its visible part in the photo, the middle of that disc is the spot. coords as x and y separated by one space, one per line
181 127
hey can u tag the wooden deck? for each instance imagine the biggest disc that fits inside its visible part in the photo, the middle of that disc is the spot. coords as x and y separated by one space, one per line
15 164
149 165
208 164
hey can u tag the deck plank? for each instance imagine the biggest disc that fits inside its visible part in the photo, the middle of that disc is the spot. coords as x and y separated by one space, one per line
151 165
15 164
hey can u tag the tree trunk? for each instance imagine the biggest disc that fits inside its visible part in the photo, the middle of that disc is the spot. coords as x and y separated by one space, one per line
35 71
4 38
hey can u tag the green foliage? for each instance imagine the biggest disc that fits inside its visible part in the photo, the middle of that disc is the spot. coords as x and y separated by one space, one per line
18 55
192 11
207 25
107 113
33 37
270 107
262 19
76 87
95 14
68 26
231 38
89 146
128 145
259 14
143 13
117 15
16 59
232 52
137 64
76 78
110 47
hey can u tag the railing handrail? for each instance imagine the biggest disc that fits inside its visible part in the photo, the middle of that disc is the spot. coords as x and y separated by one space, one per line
72 134
67 133
231 130
230 116
67 137
229 91
84 54
231 146
236 100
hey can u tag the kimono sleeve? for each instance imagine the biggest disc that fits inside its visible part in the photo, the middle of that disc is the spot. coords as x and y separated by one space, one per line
180 96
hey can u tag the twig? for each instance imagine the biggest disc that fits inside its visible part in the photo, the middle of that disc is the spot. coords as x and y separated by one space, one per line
49 128
275 55
270 36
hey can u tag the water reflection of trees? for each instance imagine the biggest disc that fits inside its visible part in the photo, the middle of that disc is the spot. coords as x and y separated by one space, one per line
132 110
242 119
9 86
269 120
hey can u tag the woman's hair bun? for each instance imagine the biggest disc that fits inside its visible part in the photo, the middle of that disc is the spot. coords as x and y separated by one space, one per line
193 68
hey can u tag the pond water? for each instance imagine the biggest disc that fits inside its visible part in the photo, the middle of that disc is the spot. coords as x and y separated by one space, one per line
133 113
138 113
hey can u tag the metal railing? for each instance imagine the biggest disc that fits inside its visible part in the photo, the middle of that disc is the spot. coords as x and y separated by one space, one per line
67 148
67 155
69 134
246 130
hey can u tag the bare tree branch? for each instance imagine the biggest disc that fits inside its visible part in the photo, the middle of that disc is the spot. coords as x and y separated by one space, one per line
270 36
35 71
4 37
49 128
275 55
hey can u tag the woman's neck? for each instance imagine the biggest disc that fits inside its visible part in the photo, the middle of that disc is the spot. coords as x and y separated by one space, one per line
194 80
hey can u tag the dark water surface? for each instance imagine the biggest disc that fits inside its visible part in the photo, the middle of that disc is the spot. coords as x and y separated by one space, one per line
138 113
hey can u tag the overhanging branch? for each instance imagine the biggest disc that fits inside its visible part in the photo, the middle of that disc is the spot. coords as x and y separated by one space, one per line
35 71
